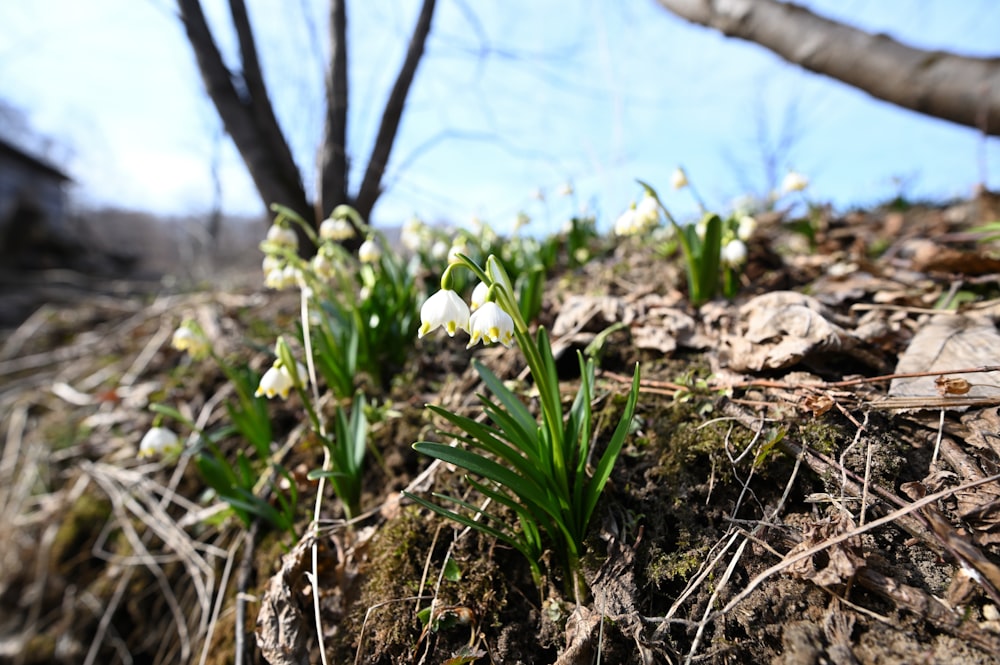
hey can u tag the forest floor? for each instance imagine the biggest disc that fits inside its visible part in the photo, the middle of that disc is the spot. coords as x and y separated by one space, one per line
811 475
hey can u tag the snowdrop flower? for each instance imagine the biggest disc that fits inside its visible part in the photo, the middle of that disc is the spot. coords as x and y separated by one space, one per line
491 324
444 309
647 213
460 246
369 252
439 250
277 380
701 228
186 339
626 224
282 236
478 298
747 225
159 441
413 234
270 264
734 253
566 189
323 266
679 179
794 182
336 229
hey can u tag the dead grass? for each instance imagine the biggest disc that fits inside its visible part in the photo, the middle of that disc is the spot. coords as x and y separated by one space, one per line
785 493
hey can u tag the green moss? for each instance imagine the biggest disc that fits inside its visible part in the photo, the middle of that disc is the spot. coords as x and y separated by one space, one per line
81 525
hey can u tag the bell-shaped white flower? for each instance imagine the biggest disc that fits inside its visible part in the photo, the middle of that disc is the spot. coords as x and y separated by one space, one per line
336 229
278 380
626 224
369 252
746 227
459 246
478 298
439 250
794 182
323 266
414 234
186 339
491 324
282 236
679 179
159 441
647 213
734 253
444 309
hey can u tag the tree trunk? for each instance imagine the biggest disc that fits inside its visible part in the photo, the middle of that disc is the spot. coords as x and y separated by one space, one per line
943 85
246 110
371 186
332 156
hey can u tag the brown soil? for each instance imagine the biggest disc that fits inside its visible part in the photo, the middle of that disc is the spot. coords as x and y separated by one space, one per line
777 502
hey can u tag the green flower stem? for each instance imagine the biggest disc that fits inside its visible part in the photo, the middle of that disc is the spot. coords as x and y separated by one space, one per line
542 369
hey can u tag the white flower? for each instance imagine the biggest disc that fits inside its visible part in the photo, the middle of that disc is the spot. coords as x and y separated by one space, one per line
746 227
323 266
459 246
491 324
679 179
282 236
478 298
439 250
369 252
701 227
647 213
414 234
444 309
566 189
336 229
626 224
278 380
734 253
159 441
186 339
270 264
794 182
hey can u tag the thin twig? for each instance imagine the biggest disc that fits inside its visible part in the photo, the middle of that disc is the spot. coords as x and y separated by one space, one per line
830 542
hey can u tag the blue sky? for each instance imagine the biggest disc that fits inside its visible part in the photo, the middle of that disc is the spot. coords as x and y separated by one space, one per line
513 97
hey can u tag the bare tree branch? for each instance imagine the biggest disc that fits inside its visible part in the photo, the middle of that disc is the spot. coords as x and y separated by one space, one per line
253 129
332 156
371 185
961 89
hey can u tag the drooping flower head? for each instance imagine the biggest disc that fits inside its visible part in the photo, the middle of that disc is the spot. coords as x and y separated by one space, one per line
478 298
491 324
159 441
336 229
193 341
679 179
282 236
278 380
444 309
369 252
794 182
734 253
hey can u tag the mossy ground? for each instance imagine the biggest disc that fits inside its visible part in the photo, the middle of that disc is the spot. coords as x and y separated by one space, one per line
719 480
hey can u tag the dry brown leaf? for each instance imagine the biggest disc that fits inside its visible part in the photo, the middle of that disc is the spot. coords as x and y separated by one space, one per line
840 561
782 329
949 342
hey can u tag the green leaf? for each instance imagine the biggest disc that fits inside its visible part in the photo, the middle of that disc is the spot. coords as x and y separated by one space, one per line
603 470
452 572
514 406
486 468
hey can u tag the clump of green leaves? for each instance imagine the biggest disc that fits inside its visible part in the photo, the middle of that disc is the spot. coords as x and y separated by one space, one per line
536 469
